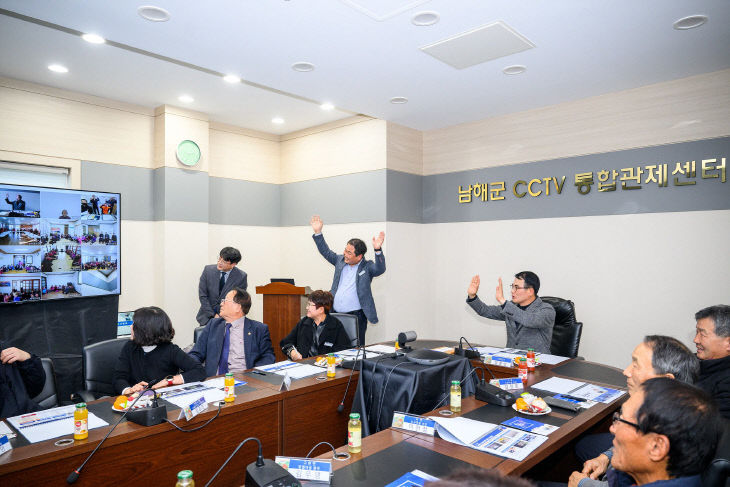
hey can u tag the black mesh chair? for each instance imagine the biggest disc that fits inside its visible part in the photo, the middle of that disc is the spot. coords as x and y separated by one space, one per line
196 333
718 472
567 331
99 360
48 397
350 324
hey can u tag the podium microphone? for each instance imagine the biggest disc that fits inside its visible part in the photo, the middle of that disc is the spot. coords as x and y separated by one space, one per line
73 476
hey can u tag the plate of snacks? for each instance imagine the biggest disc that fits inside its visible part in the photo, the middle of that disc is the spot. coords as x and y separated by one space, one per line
122 403
530 404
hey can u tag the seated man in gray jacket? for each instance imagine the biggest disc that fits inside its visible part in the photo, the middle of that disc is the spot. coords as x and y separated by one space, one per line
529 321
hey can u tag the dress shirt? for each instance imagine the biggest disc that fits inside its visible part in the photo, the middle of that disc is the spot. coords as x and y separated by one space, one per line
346 297
236 352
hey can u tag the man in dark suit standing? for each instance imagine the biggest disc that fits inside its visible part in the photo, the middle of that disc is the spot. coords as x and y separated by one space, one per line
353 275
216 281
232 342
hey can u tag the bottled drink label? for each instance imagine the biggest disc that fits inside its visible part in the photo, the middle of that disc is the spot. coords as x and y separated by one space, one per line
455 400
81 427
522 373
354 438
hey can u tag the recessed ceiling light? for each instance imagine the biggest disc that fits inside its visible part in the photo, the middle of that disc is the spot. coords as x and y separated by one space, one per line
93 39
303 67
327 106
690 22
426 18
57 68
514 69
153 14
185 98
277 120
232 78
399 100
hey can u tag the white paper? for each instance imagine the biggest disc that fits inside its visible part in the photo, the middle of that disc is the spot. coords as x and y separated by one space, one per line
559 385
5 430
488 350
51 423
293 369
183 397
380 349
597 393
546 358
490 438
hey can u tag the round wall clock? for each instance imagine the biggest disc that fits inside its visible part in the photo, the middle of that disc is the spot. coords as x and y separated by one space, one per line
188 152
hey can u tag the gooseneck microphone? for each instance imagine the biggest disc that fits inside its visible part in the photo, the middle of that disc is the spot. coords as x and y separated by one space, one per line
73 476
259 457
341 407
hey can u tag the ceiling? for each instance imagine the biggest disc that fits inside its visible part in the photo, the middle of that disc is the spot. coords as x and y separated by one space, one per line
365 52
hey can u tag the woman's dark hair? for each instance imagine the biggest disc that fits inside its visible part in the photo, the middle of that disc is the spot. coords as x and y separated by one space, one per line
322 299
152 326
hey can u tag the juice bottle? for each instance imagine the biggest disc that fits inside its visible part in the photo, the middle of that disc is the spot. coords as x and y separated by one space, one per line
185 479
331 361
81 422
531 360
522 370
229 383
354 434
455 402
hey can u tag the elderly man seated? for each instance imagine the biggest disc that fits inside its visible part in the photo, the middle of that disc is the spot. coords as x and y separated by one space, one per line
665 434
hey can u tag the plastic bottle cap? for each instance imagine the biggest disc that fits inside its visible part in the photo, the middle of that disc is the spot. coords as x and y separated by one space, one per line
354 416
185 474
523 359
454 382
80 405
229 374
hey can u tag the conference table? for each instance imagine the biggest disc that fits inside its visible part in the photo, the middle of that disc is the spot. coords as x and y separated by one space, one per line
286 422
392 452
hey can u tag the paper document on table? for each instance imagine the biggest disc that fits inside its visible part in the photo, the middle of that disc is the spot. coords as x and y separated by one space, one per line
51 423
596 393
546 358
490 438
5 430
293 369
559 385
182 396
278 366
416 478
380 348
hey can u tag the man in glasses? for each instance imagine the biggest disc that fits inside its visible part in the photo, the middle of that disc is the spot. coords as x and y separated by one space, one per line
665 434
216 281
712 339
529 321
655 356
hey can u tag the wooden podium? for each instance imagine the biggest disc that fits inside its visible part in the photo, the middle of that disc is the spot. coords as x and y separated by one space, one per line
283 308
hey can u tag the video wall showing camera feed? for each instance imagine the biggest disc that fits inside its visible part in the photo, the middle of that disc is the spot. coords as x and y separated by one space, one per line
57 243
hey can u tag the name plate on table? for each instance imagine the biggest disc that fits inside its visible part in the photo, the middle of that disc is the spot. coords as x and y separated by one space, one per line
5 444
193 409
415 423
508 384
313 471
499 360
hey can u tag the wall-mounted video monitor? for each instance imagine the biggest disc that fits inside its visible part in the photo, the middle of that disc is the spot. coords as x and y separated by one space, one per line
58 243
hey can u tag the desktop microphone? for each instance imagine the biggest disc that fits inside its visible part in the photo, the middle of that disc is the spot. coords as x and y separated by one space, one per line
469 353
262 471
341 407
73 476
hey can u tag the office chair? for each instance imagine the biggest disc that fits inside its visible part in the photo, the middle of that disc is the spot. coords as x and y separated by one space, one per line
567 331
48 397
99 361
717 474
196 333
350 324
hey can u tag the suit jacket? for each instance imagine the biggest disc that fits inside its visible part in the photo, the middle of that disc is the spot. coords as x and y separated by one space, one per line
210 298
332 339
366 270
19 382
256 345
529 327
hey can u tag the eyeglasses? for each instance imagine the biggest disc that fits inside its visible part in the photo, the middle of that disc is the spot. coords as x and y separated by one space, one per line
224 300
617 417
515 288
310 305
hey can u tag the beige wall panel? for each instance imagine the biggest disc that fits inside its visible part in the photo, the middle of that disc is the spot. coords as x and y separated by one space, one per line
179 125
405 149
139 264
629 275
687 109
235 155
347 149
48 125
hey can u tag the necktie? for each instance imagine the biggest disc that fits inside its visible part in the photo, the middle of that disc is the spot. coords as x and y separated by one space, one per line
223 362
222 282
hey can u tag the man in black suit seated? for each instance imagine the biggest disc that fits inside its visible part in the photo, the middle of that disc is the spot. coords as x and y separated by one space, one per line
21 377
317 333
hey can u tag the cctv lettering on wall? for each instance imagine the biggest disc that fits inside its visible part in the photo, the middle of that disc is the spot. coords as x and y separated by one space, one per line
604 180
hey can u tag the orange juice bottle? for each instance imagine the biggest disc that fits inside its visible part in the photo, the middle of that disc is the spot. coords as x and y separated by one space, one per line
331 363
81 422
229 383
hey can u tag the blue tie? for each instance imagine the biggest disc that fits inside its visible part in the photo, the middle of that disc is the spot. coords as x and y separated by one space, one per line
223 362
